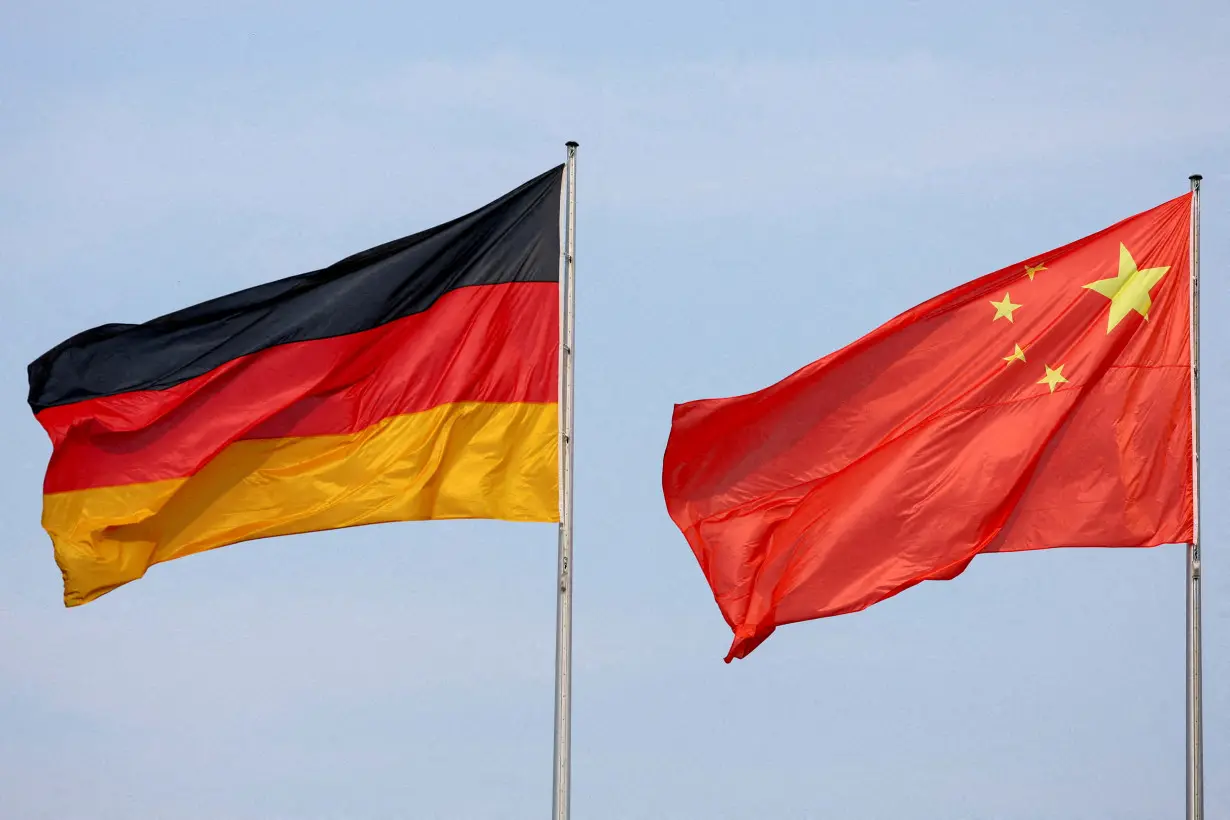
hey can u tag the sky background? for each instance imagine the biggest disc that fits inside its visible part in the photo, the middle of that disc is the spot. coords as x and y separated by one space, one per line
759 184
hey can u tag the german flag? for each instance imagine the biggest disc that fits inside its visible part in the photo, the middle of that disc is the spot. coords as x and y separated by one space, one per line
416 380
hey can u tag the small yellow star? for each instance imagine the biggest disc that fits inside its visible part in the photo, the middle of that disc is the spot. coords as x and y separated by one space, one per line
1004 308
1031 271
1016 355
1053 376
1129 290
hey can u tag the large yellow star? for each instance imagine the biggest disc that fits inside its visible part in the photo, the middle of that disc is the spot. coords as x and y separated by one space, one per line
1004 308
1129 290
1054 376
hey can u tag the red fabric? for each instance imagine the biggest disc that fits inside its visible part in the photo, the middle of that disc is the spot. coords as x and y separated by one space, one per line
902 456
485 343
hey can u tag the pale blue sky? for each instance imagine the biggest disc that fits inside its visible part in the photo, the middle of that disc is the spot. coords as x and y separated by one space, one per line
759 184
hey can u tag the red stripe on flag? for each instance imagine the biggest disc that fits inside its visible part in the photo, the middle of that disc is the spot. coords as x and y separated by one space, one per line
491 343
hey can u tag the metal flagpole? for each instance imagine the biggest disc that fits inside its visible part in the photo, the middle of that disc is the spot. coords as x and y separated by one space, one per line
1195 716
563 605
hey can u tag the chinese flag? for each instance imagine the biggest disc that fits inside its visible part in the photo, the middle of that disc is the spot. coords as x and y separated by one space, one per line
1048 404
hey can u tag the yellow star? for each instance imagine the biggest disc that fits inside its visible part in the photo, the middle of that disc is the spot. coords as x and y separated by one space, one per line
1016 355
1004 308
1129 290
1053 376
1032 271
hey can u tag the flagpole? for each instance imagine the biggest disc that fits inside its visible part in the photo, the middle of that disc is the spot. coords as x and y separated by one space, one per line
1195 715
563 605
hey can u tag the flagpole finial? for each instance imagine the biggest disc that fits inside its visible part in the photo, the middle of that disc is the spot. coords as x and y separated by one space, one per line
572 144
1193 177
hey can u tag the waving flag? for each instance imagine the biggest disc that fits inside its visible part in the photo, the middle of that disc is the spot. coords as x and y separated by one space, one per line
1047 404
416 380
